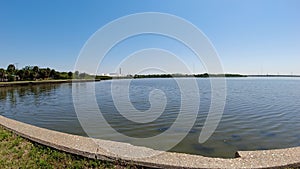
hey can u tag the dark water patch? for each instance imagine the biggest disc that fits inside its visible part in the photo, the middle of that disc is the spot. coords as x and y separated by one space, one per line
193 131
268 134
236 137
203 149
162 129
262 148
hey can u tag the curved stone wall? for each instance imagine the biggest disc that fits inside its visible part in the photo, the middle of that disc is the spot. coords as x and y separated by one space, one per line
87 147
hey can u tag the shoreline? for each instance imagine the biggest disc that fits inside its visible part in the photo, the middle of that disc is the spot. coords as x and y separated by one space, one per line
88 147
19 152
28 83
37 82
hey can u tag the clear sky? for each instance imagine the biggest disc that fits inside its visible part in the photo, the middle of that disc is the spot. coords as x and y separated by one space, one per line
250 36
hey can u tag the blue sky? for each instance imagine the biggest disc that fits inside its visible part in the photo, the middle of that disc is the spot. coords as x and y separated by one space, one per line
250 36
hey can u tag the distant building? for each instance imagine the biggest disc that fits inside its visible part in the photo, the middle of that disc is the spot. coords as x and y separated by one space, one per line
113 74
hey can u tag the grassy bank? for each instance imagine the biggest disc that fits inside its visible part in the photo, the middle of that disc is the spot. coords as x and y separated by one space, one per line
17 152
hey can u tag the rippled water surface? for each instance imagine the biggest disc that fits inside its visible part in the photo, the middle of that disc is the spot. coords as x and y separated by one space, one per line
260 113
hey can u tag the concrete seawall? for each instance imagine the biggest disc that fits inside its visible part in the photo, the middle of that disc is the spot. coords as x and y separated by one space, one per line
88 147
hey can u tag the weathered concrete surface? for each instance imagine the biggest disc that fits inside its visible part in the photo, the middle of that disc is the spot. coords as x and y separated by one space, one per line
88 147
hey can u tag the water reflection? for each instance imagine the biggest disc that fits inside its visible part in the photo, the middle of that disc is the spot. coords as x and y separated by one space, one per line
49 106
259 113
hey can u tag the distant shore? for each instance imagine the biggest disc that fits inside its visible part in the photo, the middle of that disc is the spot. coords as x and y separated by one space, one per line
273 75
99 78
28 83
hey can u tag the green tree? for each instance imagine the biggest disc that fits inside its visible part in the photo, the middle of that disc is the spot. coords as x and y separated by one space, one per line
47 73
27 73
20 74
82 75
11 69
42 73
2 74
70 74
35 70
52 73
76 75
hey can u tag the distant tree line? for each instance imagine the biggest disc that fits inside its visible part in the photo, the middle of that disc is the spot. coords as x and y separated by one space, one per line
204 75
36 73
31 73
11 73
